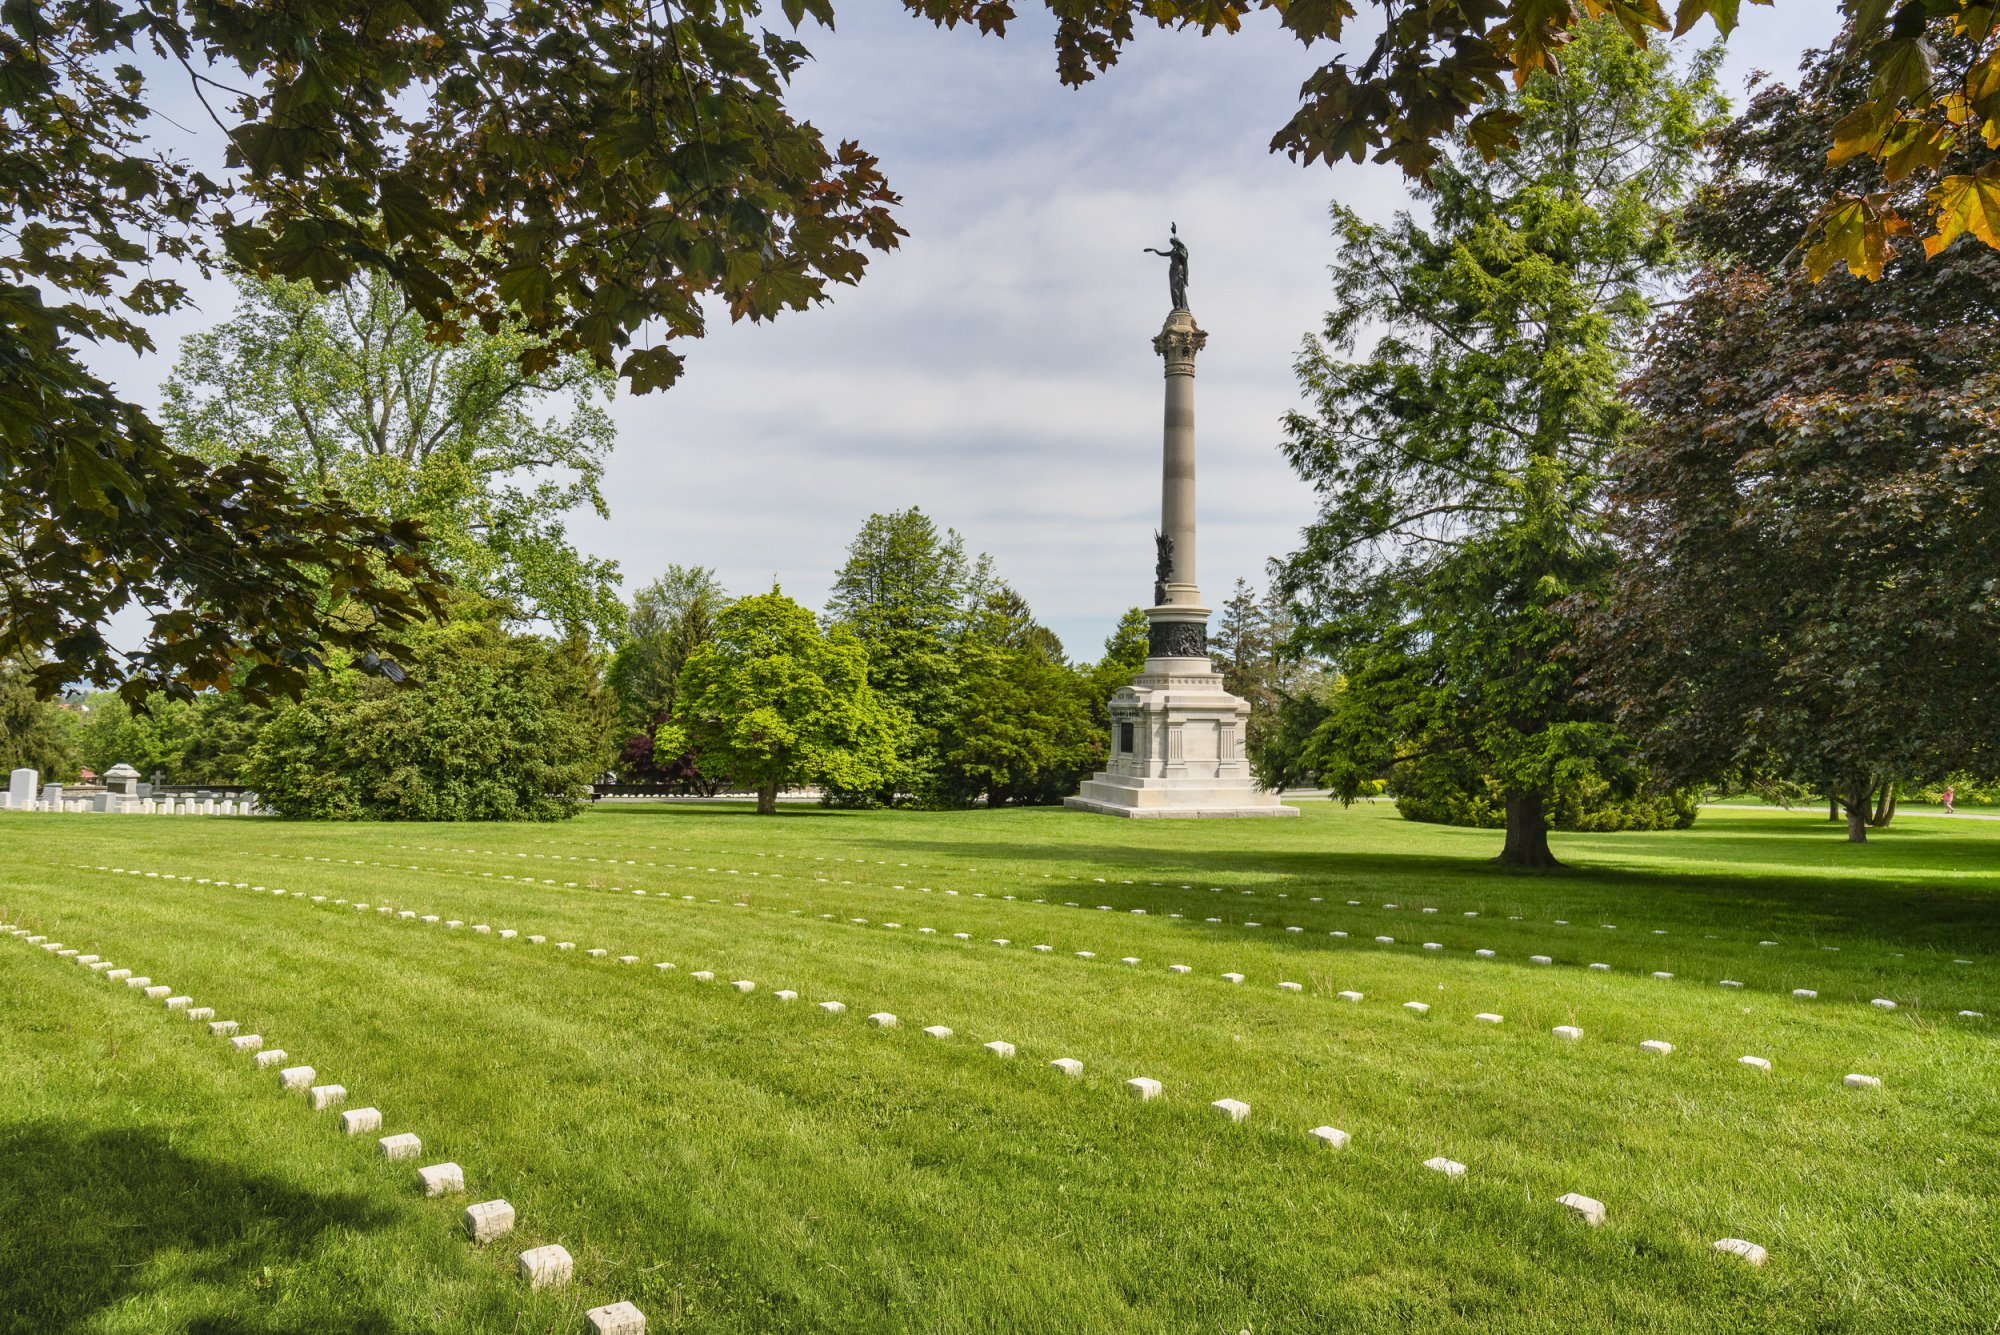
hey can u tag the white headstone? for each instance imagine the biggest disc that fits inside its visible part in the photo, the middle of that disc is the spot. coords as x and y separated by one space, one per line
296 1077
1658 1047
1000 1048
1488 1017
1883 1003
882 1020
1234 1109
1069 1066
785 994
1861 1082
1417 1007
442 1179
1330 1136
1291 987
546 1267
744 985
1449 1167
327 1096
1143 1088
1485 954
1591 1211
358 1121
402 1146
1759 1063
1233 977
269 1057
1804 993
247 1042
1180 968
488 1220
620 1318
938 1030
833 1007
1748 1251
1350 996
21 786
1540 959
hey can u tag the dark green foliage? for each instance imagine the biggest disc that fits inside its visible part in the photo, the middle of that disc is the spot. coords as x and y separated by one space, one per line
205 740
1810 519
1024 730
35 733
494 726
1460 464
1441 793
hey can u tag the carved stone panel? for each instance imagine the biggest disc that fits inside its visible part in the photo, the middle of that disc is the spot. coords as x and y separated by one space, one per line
1177 639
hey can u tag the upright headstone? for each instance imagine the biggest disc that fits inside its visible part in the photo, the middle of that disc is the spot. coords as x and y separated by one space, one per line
21 789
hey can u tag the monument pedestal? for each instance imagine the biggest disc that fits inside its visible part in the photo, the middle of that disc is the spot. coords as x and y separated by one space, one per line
1177 743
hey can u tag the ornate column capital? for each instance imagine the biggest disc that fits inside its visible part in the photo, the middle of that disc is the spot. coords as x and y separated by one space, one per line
1178 341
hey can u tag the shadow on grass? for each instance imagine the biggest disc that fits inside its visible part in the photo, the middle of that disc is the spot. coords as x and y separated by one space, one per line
707 807
1904 907
84 1217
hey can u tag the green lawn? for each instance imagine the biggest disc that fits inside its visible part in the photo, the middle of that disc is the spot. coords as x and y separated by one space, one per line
736 1163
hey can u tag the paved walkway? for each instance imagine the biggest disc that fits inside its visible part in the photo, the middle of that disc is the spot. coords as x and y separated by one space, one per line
1900 811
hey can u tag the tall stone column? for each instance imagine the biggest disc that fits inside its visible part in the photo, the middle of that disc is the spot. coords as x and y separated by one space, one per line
1178 620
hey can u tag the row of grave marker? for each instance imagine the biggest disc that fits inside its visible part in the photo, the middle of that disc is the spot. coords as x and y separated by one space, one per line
542 1267
1144 1087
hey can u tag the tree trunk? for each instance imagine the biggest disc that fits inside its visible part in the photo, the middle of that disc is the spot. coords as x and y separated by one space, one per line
1527 834
1885 806
1855 804
1833 806
767 798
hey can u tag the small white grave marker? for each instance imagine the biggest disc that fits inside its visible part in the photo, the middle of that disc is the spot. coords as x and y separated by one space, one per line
201 1014
620 1318
1234 1109
1488 1017
403 1146
703 975
1749 1252
882 1020
507 934
1883 1003
628 959
1662 974
1180 968
488 1220
1485 954
1385 940
1861 1082
833 1007
1658 1047
1417 1007
1350 996
1540 959
442 1179
1758 1063
1330 1136
269 1057
1143 1088
1129 959
1731 982
177 1003
296 1077
938 1030
327 1096
546 1267
1449 1167
1590 1211
1233 977
139 982
356 1121
1567 1031
247 1042
744 985
1804 993
1069 1066
597 952
1000 1048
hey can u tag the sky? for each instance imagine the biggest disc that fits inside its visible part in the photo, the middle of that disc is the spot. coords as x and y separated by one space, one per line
997 369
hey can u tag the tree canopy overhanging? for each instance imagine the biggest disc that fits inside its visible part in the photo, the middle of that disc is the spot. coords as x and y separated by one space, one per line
593 172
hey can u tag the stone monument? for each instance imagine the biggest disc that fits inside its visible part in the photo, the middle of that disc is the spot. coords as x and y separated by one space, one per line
21 789
1177 737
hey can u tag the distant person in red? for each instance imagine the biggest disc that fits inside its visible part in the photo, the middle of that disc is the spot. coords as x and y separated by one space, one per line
1949 793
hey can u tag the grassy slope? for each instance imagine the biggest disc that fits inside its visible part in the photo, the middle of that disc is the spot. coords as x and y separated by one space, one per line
736 1164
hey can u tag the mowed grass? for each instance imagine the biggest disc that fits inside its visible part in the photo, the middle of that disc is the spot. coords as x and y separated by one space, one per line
735 1163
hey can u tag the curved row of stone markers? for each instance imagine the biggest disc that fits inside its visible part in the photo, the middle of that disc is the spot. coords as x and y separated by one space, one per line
1140 1087
542 1267
1801 993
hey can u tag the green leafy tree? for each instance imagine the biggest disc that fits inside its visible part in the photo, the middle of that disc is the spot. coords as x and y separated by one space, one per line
1460 464
1024 731
496 726
34 733
590 168
777 703
348 396
906 592
1810 517
1125 650
205 740
669 619
577 170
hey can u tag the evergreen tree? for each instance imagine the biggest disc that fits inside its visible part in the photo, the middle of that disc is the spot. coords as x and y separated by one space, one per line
1460 463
